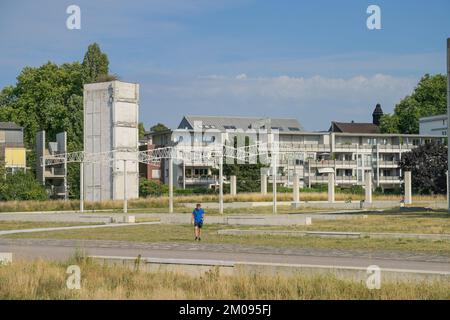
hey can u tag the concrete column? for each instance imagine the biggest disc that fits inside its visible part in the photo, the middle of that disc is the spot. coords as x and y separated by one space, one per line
296 191
331 187
125 187
81 187
264 184
274 183
170 185
221 185
368 184
233 186
408 194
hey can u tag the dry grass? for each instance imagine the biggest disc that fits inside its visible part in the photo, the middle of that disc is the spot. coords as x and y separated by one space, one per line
159 203
47 280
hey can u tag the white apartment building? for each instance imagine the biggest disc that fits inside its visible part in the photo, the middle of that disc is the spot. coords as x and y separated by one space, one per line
434 125
349 153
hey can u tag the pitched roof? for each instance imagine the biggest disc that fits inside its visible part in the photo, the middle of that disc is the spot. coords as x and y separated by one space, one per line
225 122
10 126
354 127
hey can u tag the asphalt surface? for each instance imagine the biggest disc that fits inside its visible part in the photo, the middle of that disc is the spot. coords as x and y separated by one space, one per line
62 249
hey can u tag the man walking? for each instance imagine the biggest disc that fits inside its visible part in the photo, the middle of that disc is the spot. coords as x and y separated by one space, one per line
197 216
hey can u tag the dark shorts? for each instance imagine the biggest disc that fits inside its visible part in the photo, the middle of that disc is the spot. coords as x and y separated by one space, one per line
198 224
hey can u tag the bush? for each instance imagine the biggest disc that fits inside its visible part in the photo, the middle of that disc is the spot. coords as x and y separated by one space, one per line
152 188
21 186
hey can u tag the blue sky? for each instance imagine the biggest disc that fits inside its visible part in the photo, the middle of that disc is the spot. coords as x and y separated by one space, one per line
312 60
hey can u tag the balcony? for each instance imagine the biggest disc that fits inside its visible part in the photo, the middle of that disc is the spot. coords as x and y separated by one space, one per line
390 179
55 173
289 146
333 163
346 180
388 164
206 180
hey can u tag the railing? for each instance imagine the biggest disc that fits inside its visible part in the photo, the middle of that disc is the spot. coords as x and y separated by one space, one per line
387 163
390 178
198 180
302 146
346 179
332 163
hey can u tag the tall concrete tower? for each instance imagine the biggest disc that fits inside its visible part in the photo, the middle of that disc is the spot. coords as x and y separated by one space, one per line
111 114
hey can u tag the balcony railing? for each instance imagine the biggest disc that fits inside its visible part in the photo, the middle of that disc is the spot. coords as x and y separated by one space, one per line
302 146
346 179
198 180
390 179
388 163
332 163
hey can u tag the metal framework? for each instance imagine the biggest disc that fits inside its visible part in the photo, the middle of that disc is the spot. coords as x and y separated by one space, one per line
215 153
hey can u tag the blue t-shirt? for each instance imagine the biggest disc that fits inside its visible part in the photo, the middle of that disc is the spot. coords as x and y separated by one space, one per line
198 215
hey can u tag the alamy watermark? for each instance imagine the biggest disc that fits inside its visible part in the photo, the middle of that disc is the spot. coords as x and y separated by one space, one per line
74 279
373 280
374 20
73 21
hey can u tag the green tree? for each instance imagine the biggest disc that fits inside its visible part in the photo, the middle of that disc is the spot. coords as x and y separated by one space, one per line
141 130
50 98
158 127
429 98
95 64
428 166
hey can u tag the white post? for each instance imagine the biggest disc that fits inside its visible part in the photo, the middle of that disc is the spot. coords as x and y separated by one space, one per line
446 174
331 187
221 185
368 183
233 186
408 194
81 187
125 195
184 175
274 182
264 184
296 191
170 184
448 108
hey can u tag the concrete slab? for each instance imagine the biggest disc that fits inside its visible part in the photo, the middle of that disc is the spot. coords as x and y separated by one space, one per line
196 267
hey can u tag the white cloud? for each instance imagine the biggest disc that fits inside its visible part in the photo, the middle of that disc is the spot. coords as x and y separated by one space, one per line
315 101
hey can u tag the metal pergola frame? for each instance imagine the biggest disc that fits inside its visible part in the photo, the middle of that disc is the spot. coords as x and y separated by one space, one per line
215 153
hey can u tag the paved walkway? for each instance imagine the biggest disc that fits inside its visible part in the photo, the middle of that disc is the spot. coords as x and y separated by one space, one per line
111 225
63 249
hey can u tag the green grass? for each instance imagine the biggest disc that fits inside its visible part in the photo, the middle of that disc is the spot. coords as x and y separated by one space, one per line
184 234
18 225
413 222
47 280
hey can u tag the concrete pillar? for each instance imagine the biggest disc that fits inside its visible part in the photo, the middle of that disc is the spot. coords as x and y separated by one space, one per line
408 193
81 186
296 191
233 190
170 184
368 185
331 187
264 184
125 187
221 185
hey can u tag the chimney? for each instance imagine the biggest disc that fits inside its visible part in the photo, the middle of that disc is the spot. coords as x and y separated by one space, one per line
377 114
